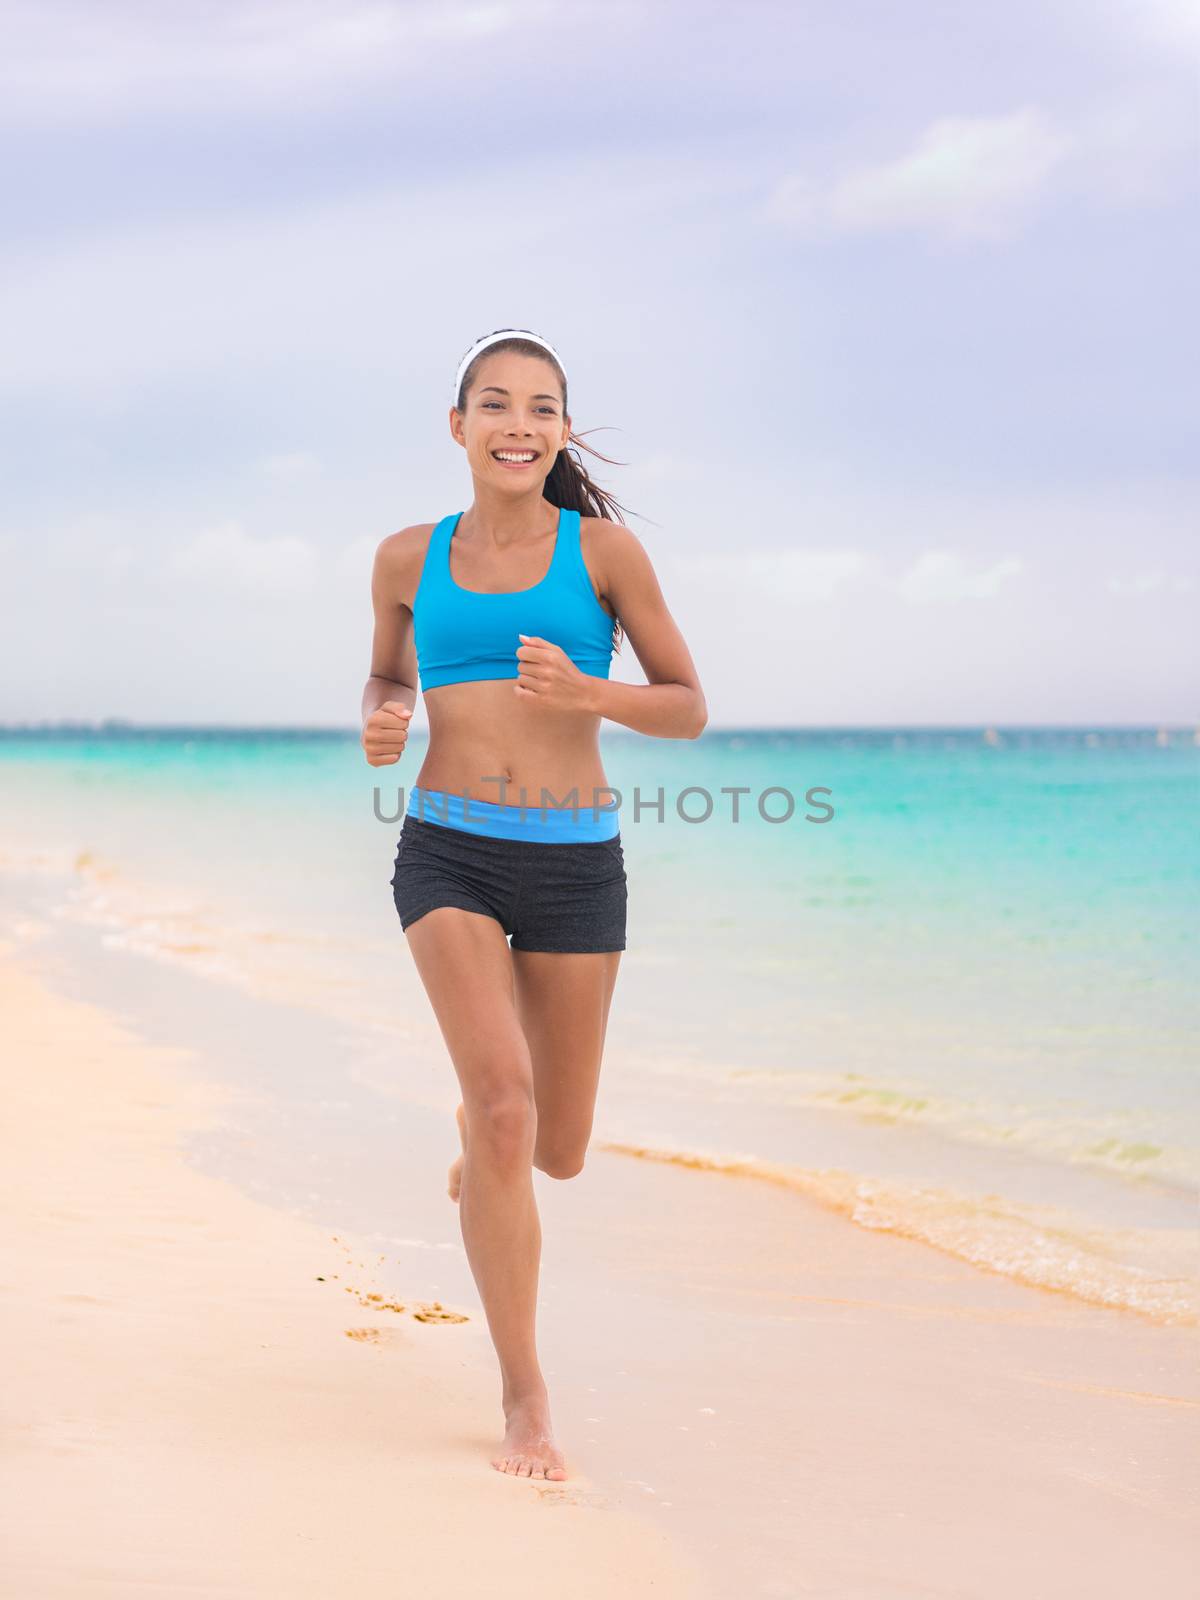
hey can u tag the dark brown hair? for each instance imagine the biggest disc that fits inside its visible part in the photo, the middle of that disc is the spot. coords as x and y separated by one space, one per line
567 485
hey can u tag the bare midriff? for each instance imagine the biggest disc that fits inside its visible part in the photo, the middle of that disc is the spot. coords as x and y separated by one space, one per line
487 743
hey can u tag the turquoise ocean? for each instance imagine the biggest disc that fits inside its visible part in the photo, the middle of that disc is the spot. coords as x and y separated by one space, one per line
963 1008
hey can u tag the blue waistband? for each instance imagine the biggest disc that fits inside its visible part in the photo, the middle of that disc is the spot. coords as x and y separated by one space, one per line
562 824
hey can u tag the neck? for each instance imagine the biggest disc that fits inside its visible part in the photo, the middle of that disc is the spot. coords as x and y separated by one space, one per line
504 519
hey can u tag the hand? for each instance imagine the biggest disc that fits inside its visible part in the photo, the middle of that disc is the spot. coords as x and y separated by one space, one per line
385 733
548 677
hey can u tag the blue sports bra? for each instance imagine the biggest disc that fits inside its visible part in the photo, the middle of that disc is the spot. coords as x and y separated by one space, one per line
462 635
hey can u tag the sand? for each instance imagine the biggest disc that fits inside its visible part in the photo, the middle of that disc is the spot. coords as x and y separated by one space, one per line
755 1397
186 1413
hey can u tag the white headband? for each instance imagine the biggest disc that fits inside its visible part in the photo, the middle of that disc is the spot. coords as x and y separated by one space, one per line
494 338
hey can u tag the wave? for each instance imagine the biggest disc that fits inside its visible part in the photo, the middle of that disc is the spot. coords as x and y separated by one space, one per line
1044 1247
1115 1142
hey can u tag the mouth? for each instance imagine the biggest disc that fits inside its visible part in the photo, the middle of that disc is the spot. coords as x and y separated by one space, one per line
515 460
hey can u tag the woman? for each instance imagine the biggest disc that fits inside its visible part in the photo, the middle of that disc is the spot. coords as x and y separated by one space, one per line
509 613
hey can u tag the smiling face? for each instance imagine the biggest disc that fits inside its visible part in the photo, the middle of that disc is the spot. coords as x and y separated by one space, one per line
513 424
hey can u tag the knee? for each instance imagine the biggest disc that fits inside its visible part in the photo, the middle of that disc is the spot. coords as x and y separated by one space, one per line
503 1126
559 1166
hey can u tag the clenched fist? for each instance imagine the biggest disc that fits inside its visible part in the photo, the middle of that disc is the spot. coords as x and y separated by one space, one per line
546 676
385 733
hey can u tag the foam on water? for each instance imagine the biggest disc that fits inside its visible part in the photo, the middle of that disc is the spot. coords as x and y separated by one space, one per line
1048 1248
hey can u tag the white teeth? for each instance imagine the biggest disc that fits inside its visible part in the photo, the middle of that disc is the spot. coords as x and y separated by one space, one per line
511 455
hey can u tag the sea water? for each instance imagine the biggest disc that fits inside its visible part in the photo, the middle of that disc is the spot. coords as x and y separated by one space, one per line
942 981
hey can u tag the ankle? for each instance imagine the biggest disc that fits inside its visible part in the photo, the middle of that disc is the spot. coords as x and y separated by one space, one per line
526 1397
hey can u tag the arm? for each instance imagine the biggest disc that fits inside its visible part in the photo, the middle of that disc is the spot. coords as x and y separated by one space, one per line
390 692
671 704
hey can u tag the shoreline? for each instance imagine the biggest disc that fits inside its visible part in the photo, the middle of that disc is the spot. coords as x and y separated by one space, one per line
1040 1213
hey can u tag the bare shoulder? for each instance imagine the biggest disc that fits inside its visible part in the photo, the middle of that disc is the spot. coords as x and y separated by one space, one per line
397 548
399 559
613 553
612 545
606 535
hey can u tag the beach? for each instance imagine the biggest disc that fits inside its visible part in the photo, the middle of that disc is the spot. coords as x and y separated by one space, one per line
194 1405
785 450
238 1367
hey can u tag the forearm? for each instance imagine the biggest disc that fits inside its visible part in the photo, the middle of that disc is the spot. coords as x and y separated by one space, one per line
380 690
664 710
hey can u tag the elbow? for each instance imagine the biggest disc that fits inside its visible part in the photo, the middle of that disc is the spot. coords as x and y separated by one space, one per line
699 721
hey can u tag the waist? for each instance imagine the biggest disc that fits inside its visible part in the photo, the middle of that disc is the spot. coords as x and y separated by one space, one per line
575 818
486 744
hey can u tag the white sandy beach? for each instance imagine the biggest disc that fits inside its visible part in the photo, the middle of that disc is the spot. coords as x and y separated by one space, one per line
186 1414
754 1396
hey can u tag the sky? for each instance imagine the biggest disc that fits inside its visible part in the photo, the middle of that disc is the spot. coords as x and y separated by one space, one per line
888 312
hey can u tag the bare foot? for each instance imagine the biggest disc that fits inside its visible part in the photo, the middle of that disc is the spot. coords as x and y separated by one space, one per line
529 1450
454 1180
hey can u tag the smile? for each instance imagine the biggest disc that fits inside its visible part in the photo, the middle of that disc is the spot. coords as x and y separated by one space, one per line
515 458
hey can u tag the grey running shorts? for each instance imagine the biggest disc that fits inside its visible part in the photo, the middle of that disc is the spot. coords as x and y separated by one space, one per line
563 897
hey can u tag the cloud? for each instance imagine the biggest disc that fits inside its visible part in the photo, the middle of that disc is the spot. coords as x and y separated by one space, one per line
1150 581
964 176
1173 23
92 545
72 60
336 279
789 575
939 576
228 554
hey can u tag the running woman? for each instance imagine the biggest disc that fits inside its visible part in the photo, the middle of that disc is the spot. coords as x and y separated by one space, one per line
509 875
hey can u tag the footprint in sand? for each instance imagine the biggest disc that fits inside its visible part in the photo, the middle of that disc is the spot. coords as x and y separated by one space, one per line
376 1302
363 1335
424 1311
572 1496
438 1313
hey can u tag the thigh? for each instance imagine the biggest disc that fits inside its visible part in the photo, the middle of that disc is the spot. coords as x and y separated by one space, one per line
562 1004
464 962
571 899
440 866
